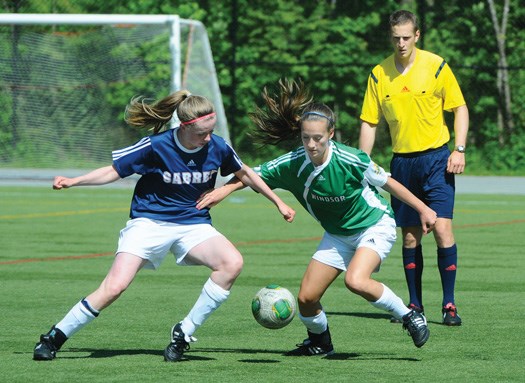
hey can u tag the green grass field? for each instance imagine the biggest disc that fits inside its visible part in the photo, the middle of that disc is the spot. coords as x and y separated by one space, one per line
58 245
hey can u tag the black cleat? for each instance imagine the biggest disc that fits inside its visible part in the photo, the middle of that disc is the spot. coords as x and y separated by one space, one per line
178 345
307 348
450 315
45 349
49 344
416 324
411 306
314 345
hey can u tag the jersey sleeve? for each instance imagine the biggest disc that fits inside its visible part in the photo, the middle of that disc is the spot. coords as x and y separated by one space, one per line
231 162
269 177
371 109
452 95
134 159
375 174
274 174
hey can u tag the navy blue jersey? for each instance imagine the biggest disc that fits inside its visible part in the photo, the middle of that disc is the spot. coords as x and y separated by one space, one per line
173 177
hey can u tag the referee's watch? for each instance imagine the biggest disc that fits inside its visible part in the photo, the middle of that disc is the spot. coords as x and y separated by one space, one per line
460 149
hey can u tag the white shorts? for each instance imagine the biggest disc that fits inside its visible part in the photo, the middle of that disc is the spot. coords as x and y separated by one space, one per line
151 239
338 250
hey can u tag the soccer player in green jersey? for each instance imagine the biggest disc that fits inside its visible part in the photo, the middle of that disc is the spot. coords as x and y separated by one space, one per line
411 88
337 185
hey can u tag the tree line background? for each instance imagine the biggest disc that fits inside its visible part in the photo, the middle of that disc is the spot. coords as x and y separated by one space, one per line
333 44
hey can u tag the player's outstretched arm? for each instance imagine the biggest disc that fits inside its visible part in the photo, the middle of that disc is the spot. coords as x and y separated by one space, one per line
100 176
427 215
249 178
244 177
212 197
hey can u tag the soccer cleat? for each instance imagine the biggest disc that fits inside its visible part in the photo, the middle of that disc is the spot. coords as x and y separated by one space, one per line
450 315
411 306
314 345
49 344
45 349
307 348
416 325
178 345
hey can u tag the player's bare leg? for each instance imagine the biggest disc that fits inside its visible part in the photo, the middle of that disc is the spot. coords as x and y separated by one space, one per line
317 278
121 274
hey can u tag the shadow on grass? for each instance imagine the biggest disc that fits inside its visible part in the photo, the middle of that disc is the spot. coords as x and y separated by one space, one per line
191 355
260 361
361 315
336 356
354 356
101 353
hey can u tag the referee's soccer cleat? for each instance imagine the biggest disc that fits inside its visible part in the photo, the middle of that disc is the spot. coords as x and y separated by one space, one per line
450 315
411 306
416 325
178 345
49 344
314 345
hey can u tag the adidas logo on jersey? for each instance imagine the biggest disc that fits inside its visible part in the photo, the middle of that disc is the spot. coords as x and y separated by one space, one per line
191 163
321 178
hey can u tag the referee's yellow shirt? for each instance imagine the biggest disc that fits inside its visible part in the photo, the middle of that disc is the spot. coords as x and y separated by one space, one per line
413 103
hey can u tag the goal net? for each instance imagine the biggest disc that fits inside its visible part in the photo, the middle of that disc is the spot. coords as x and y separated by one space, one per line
65 81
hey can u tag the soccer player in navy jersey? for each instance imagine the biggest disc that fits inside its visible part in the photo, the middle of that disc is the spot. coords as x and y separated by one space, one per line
337 185
177 166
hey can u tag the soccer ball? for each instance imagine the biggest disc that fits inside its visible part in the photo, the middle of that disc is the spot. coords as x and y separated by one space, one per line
273 306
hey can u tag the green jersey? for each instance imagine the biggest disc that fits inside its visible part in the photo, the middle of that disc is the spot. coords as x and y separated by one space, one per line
340 194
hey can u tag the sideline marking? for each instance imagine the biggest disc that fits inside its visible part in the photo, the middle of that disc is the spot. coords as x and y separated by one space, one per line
49 259
87 256
514 221
244 243
64 213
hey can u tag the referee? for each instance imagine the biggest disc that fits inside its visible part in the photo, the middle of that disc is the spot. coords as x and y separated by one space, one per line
411 88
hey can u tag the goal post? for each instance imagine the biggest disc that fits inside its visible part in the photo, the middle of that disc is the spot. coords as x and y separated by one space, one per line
65 80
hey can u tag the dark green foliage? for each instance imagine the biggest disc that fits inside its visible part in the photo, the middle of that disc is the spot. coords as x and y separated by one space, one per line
332 46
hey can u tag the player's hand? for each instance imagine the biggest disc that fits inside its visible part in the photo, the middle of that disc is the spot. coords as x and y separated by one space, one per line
211 198
428 220
456 162
61 182
287 212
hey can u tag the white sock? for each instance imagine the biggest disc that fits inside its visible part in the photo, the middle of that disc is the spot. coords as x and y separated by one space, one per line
79 316
391 302
316 324
212 296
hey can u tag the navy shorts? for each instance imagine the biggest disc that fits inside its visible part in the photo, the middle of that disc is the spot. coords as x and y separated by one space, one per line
425 175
